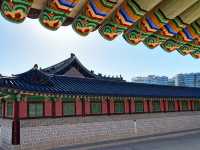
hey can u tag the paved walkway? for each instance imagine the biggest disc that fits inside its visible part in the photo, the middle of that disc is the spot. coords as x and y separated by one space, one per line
184 141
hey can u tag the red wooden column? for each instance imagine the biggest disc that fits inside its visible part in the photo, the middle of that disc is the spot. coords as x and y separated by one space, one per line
58 108
166 105
78 107
192 105
126 105
162 105
47 108
189 105
112 106
104 106
16 123
87 106
180 105
23 108
150 106
146 105
176 105
132 105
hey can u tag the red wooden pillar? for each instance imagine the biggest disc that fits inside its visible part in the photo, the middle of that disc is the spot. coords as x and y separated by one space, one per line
58 108
146 106
132 105
23 109
47 108
83 107
180 105
104 106
189 105
112 106
166 105
162 106
192 105
87 106
150 106
16 124
176 105
126 106
78 106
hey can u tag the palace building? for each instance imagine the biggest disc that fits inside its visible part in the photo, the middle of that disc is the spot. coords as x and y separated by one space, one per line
70 90
172 24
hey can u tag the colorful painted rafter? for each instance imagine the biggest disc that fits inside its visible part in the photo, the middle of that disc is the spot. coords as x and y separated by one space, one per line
174 25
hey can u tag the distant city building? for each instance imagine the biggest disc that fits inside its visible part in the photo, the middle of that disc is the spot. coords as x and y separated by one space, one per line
151 79
188 79
171 81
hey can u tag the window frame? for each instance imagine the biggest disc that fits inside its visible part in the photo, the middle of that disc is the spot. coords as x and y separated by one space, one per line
119 101
154 109
36 103
63 108
95 101
136 109
9 115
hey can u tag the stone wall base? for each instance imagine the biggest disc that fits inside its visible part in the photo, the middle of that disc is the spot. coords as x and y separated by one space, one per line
51 133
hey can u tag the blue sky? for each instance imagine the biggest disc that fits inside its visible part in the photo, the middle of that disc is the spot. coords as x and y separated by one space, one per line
26 44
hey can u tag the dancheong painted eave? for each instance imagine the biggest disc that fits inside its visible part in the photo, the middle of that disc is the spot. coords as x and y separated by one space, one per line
172 24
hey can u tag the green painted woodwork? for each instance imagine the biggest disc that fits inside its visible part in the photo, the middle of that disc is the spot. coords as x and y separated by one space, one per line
35 109
171 106
95 107
119 107
9 110
156 106
1 109
184 105
196 105
68 108
139 106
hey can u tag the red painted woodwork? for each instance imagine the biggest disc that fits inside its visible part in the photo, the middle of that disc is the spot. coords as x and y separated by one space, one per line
150 106
132 103
104 107
189 105
126 105
78 107
192 105
87 107
146 106
23 111
176 105
16 124
112 106
162 106
179 105
166 105
58 108
47 108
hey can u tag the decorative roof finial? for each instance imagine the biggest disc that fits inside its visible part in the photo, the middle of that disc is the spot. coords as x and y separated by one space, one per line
35 67
72 55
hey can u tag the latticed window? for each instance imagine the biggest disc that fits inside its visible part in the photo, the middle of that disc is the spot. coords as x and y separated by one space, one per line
184 105
156 105
119 107
9 109
95 107
171 106
196 105
69 108
35 109
139 106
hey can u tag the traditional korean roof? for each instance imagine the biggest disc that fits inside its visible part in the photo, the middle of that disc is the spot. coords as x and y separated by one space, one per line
172 24
36 81
72 67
